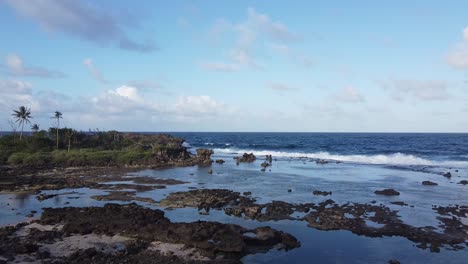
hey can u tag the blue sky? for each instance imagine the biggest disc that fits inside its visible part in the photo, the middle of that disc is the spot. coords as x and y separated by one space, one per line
339 66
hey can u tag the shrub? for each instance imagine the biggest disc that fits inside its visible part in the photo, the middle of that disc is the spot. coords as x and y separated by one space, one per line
17 158
37 159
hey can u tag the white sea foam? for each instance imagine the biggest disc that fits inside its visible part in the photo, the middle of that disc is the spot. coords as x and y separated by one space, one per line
390 159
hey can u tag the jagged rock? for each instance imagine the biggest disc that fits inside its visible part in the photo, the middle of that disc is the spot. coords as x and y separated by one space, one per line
246 158
220 161
464 182
204 156
429 183
388 192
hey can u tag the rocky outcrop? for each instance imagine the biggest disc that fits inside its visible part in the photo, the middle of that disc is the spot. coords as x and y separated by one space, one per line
220 161
246 158
464 182
204 157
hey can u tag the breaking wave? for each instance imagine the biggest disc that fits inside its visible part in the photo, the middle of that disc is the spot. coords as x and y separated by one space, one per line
381 159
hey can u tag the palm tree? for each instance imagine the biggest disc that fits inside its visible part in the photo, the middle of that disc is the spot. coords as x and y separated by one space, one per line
35 128
69 134
22 116
57 115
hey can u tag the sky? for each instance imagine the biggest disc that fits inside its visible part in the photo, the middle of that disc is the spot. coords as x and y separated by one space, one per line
305 66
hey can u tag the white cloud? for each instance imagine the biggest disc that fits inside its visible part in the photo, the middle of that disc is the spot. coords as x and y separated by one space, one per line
349 94
94 71
424 90
15 93
196 106
82 19
16 66
458 57
256 29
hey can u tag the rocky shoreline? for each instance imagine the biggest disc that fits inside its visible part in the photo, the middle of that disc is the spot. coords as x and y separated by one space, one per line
129 233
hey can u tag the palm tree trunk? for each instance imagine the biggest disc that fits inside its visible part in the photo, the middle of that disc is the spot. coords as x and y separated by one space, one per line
58 125
21 134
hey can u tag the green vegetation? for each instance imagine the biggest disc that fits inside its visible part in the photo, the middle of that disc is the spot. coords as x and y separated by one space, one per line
69 147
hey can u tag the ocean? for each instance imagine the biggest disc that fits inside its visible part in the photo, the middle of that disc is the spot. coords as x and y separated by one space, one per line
399 149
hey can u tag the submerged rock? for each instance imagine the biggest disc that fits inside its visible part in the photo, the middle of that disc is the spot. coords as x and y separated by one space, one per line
220 161
388 192
429 183
324 193
321 161
464 182
447 174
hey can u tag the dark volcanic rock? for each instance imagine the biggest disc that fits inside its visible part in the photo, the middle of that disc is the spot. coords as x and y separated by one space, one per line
324 193
429 183
206 198
447 175
399 203
464 182
212 239
388 192
321 161
246 158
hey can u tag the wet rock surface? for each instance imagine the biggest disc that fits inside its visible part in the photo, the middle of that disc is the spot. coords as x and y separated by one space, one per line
464 182
324 193
387 192
123 196
429 183
137 227
57 179
362 219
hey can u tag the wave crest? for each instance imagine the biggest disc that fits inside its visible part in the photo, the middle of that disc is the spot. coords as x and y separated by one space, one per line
380 159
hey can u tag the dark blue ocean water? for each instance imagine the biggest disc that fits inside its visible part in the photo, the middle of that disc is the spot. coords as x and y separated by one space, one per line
372 148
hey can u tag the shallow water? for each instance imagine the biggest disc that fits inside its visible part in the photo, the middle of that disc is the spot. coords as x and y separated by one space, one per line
349 182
